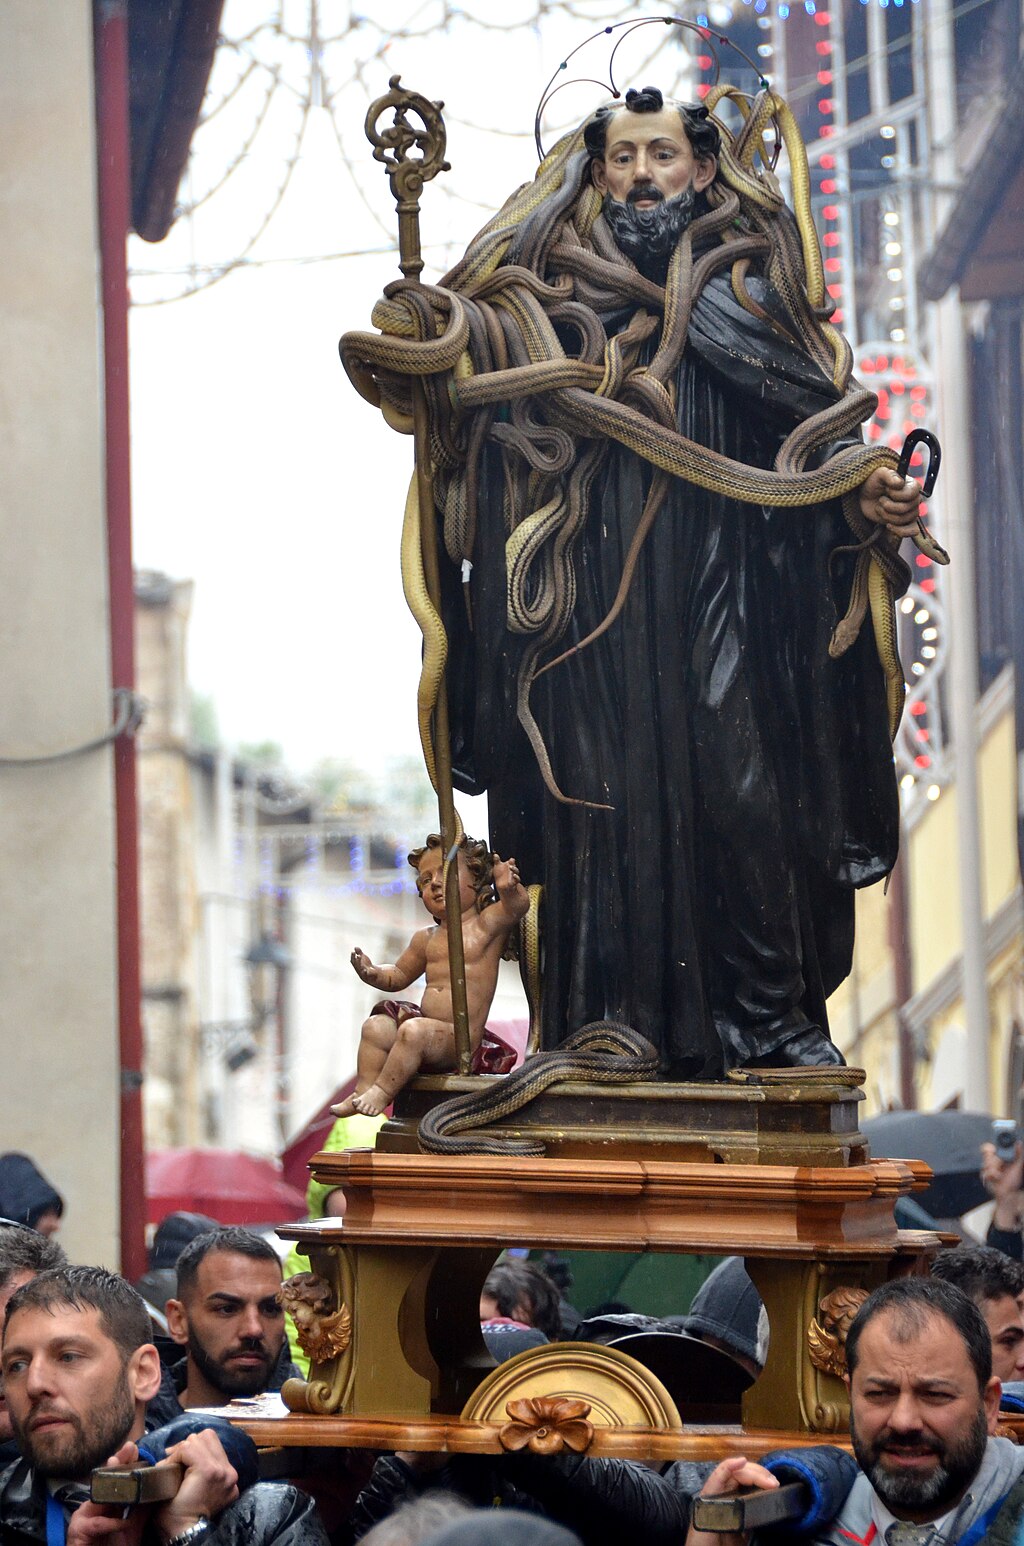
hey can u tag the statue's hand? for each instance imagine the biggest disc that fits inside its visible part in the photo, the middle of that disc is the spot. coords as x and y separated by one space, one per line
364 968
892 501
506 878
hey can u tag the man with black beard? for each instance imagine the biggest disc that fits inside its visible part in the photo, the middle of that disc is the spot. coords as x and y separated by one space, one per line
78 1370
923 1409
228 1318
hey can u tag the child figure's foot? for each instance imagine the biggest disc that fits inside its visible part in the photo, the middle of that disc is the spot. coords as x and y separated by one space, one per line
370 1102
346 1107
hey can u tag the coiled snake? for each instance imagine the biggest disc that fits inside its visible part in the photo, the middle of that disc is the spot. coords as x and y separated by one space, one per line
490 337
600 1053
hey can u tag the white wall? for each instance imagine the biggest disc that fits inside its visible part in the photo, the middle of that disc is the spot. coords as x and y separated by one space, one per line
58 1001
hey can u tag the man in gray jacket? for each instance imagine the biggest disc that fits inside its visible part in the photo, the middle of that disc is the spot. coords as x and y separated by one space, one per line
923 1409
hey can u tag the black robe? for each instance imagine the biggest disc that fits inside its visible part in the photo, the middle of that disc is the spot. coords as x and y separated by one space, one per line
751 776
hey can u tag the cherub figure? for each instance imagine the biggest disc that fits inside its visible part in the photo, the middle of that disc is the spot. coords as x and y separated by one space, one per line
321 1333
826 1338
401 1038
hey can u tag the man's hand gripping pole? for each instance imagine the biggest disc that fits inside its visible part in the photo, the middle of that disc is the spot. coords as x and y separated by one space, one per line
408 172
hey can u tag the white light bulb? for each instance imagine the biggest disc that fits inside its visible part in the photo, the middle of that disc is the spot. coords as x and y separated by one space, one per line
933 791
922 616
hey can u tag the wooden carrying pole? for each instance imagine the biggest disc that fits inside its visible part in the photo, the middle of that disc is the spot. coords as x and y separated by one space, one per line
408 174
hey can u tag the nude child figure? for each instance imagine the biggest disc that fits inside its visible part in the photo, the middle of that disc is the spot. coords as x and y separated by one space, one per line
400 1039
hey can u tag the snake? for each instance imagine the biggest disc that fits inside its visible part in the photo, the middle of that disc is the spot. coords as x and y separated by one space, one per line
603 1052
488 341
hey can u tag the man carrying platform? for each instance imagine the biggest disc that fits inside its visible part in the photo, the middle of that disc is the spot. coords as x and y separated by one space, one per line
923 1408
78 1370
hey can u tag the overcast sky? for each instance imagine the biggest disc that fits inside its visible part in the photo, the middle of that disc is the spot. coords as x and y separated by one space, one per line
258 472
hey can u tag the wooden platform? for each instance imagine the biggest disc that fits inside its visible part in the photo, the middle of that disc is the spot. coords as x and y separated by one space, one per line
455 1437
421 1232
824 1213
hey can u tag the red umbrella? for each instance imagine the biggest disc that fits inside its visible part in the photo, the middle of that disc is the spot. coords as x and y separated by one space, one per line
230 1186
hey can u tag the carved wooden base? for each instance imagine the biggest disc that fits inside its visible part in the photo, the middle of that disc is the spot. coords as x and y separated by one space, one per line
757 1116
421 1232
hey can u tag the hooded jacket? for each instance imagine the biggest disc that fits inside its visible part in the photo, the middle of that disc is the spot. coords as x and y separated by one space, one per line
25 1193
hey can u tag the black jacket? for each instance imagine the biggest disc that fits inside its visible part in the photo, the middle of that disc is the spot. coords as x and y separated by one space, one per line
267 1514
165 1405
601 1500
605 1500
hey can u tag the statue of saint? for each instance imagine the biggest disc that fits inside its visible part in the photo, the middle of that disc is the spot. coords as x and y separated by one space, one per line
639 669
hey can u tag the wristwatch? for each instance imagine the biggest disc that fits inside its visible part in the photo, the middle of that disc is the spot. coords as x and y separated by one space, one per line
192 1534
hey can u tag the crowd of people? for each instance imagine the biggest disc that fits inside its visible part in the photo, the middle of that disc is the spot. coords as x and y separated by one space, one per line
97 1372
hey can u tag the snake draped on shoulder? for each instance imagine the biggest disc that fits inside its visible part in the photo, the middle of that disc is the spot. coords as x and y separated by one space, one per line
651 610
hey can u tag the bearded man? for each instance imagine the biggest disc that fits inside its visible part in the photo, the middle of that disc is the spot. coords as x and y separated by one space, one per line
639 669
78 1370
229 1320
923 1409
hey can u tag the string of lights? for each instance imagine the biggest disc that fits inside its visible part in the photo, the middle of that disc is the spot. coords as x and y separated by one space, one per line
291 63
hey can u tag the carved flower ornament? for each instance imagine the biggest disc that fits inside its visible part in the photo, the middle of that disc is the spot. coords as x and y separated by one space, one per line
547 1425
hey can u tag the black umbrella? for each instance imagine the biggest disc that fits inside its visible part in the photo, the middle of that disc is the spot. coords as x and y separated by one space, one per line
949 1141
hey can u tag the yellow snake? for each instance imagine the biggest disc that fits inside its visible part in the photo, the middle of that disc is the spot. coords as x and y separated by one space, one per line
489 337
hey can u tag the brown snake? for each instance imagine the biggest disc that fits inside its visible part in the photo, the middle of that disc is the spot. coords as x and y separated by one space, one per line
600 1053
487 338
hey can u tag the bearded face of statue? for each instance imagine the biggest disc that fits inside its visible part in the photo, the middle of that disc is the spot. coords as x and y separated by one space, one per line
650 178
648 234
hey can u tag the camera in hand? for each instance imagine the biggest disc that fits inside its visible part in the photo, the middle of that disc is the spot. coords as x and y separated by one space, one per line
1004 1140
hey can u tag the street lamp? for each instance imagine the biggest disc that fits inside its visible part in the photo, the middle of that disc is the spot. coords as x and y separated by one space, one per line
267 959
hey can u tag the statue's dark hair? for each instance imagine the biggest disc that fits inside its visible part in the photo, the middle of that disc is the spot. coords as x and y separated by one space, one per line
700 131
479 862
123 1314
232 1240
912 1303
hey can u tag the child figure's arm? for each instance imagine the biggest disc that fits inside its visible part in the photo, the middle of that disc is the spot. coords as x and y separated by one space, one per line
513 900
412 963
